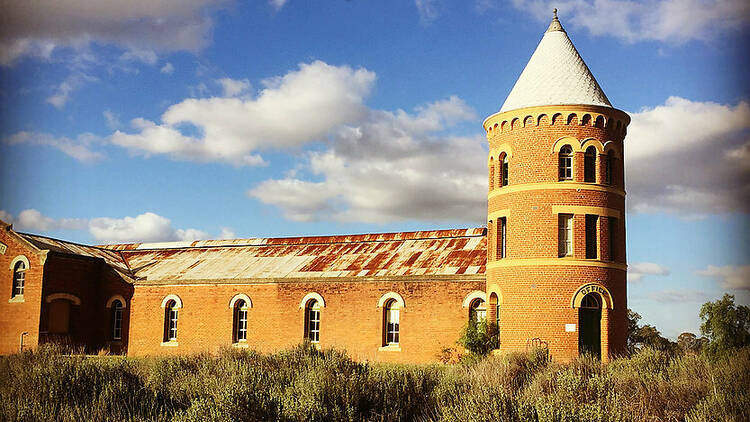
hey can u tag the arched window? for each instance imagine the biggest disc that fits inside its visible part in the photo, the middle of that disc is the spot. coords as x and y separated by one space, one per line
477 310
19 278
312 321
566 163
608 168
240 321
117 320
170 321
391 322
504 173
589 165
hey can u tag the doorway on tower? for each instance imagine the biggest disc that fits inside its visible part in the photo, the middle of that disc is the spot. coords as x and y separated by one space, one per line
589 323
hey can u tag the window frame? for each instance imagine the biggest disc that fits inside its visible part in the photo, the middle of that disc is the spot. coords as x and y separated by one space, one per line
117 308
612 238
19 279
478 310
591 236
565 163
589 165
391 329
504 171
565 235
608 157
501 238
312 316
171 319
241 311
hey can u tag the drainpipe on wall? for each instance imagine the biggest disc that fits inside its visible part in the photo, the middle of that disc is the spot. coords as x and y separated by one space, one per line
20 348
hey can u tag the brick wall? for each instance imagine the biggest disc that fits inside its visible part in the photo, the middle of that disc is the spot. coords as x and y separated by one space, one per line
17 317
536 299
432 319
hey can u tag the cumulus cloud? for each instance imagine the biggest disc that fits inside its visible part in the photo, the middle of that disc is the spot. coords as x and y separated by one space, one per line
299 107
679 296
226 233
146 227
167 69
62 93
391 166
79 148
638 270
689 158
37 28
675 21
233 87
729 276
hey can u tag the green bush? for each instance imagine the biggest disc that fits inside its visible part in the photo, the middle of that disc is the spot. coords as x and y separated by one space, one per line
479 337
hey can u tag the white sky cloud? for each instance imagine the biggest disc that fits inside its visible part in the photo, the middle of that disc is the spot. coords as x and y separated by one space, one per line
729 276
79 148
36 28
233 87
146 227
674 21
62 93
391 166
689 158
277 4
638 270
679 296
113 121
427 9
168 68
302 106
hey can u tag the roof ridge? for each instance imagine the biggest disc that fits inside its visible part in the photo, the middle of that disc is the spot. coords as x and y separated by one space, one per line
69 242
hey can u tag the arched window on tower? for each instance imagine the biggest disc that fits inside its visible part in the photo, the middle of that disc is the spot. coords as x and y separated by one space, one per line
19 278
170 321
391 322
589 165
117 320
504 181
566 163
312 321
608 167
477 310
240 321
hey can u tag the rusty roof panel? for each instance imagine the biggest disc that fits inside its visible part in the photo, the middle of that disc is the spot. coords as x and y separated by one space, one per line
443 252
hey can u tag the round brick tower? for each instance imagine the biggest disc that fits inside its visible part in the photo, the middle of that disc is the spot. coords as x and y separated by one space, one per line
556 267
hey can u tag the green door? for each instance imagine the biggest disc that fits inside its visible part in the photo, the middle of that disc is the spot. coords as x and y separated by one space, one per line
589 333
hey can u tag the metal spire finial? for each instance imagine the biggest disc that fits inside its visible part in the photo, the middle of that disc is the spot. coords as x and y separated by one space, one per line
555 24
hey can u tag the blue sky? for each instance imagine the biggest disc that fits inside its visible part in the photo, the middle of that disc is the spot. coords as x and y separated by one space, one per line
205 119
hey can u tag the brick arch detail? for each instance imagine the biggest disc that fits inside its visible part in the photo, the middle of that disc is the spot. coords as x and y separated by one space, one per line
581 292
20 258
575 145
240 296
114 298
476 294
612 146
174 297
391 295
591 141
312 295
494 288
64 296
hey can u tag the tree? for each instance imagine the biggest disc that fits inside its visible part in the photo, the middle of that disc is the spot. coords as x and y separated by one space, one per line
646 336
690 343
726 325
479 337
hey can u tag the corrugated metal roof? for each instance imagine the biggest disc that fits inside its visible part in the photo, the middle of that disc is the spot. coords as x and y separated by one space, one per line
442 252
112 258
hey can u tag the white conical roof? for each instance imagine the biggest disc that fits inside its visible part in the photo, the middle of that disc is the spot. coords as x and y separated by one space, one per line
555 74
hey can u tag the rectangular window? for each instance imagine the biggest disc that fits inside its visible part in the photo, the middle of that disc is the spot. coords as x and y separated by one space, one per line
566 167
565 235
242 324
314 325
505 172
501 237
612 226
117 324
608 169
591 247
391 335
172 336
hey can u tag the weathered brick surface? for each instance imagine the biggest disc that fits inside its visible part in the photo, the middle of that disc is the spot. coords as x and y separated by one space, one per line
536 299
351 320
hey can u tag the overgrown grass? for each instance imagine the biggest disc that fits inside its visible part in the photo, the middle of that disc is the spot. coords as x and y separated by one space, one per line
304 384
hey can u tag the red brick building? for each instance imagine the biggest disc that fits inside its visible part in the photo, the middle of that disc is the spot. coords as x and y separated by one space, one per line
549 269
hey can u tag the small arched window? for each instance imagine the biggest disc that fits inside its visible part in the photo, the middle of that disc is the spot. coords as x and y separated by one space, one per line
608 168
170 321
591 301
477 310
391 315
117 320
19 278
566 163
312 321
589 165
504 173
240 321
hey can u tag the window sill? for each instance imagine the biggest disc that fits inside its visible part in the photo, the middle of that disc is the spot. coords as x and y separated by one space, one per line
240 345
169 343
16 299
390 348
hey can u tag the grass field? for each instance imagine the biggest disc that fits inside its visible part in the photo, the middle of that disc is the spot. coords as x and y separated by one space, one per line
304 384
